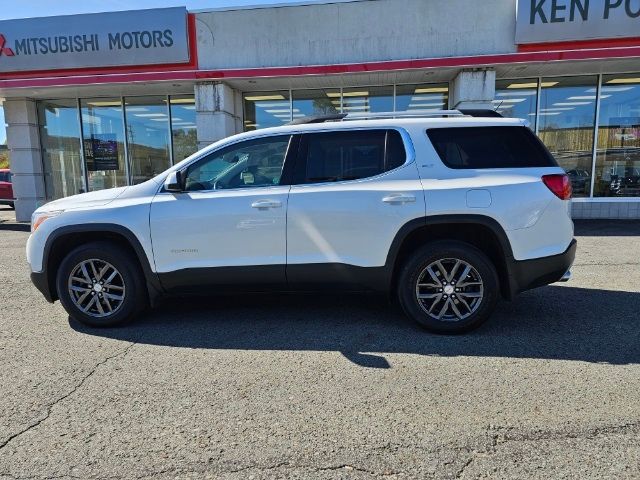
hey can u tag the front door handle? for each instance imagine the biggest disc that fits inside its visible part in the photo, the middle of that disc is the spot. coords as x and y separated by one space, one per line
399 198
264 204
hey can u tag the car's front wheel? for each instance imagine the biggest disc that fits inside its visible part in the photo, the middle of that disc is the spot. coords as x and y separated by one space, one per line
100 284
448 287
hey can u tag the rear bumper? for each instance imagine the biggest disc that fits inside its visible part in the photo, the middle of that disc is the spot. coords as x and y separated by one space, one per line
41 282
528 274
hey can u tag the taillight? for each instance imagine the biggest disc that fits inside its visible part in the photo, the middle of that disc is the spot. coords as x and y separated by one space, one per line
559 184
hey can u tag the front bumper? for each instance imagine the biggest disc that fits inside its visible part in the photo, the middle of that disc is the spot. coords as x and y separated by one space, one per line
41 282
528 274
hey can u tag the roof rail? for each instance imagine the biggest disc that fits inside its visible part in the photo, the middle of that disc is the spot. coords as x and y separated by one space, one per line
408 113
318 119
481 112
336 117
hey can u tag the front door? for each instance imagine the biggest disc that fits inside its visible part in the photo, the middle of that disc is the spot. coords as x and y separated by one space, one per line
229 225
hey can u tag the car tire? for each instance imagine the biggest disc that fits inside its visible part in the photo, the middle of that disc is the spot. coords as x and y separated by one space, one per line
124 292
467 302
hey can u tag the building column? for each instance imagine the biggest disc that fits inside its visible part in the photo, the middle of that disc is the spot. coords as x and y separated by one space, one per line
474 89
25 156
218 112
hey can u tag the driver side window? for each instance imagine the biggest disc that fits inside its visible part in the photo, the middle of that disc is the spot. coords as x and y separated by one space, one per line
254 163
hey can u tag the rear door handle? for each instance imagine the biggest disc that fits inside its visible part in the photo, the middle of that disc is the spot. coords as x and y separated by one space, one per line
264 204
399 198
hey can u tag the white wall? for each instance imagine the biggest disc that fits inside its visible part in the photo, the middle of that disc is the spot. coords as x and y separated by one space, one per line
366 31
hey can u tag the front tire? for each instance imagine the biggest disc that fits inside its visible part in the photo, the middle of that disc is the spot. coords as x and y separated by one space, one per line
100 284
448 287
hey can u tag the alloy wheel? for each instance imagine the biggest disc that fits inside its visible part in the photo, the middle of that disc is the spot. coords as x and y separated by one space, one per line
449 289
96 288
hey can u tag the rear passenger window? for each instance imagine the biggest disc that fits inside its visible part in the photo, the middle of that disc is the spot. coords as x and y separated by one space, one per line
490 147
339 156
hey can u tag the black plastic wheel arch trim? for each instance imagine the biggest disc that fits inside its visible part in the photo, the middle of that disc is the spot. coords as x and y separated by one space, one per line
46 284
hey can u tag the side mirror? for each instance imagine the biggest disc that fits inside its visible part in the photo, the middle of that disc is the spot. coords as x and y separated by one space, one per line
173 182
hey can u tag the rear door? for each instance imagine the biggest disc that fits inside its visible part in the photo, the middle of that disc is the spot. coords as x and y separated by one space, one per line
352 191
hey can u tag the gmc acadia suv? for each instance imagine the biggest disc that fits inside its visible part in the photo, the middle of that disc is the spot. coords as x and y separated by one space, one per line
446 212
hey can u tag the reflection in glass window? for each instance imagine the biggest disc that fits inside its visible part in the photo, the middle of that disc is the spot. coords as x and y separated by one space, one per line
4 152
183 126
517 99
103 140
315 102
618 151
60 139
147 136
567 124
367 99
422 97
254 163
262 110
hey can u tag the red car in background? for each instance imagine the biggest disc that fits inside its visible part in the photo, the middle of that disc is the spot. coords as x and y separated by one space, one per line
6 189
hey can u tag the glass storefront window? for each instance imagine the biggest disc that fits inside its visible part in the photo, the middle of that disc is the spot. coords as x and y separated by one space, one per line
269 109
147 120
183 126
517 99
618 150
422 97
60 140
103 141
367 99
567 124
315 102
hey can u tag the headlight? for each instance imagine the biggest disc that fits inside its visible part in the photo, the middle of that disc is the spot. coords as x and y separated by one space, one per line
38 217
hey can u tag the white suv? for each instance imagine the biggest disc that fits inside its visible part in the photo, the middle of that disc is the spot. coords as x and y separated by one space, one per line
446 212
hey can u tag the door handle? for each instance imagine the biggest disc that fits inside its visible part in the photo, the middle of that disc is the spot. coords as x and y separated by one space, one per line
264 204
399 198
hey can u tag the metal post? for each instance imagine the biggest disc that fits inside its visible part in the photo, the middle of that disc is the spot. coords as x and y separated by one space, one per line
127 169
83 160
394 98
172 159
595 135
290 105
537 112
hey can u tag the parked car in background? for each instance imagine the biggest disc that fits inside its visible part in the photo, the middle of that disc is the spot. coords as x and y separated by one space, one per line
6 188
580 180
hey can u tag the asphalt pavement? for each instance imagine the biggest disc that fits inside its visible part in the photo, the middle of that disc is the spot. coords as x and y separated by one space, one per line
324 387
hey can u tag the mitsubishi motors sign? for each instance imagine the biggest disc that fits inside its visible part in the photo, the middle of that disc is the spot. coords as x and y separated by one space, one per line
139 37
541 21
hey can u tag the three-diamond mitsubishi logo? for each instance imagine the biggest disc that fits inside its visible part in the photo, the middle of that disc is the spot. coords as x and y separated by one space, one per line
4 50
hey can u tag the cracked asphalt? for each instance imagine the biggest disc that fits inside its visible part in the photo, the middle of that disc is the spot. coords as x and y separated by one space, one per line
326 387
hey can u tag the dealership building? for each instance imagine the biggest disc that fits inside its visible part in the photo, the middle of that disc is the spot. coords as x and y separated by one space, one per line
103 100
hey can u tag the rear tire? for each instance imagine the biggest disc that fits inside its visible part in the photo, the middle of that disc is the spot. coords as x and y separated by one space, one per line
101 285
448 287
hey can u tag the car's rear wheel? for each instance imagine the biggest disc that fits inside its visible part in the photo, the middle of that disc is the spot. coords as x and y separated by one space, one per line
100 284
448 287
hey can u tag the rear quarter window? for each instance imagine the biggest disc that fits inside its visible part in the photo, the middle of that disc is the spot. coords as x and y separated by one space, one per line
489 147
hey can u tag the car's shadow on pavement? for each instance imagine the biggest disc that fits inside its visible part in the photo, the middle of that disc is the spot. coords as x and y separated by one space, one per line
550 323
